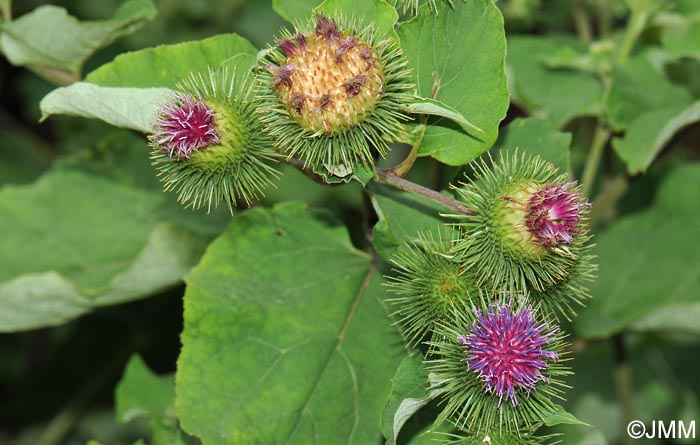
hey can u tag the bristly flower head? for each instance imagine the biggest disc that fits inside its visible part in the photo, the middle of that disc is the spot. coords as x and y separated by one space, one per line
208 144
429 286
331 93
529 229
185 125
502 350
507 350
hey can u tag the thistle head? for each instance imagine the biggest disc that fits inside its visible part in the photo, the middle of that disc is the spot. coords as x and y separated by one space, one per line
208 145
508 350
498 366
184 125
332 92
529 229
428 285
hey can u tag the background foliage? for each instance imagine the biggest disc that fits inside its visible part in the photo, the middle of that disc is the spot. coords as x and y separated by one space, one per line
607 90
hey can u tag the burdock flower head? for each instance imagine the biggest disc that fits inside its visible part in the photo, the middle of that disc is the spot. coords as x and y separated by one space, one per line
428 286
497 367
529 230
208 145
331 93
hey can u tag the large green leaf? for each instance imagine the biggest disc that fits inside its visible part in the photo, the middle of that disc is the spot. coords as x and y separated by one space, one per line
378 13
638 88
62 256
286 338
536 136
683 40
555 94
403 217
648 260
459 55
649 133
141 393
295 10
56 45
165 66
132 108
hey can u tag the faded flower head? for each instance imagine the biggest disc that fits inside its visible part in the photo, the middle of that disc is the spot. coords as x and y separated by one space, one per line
506 349
332 92
184 125
553 214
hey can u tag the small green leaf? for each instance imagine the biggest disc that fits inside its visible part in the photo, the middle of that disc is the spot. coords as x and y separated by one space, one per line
402 216
437 108
377 13
557 95
165 66
56 45
294 347
409 393
295 10
457 58
637 88
649 133
646 261
141 393
539 137
561 416
132 108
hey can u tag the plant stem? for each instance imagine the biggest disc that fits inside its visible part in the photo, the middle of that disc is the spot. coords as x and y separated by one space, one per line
605 201
635 26
600 139
623 381
581 21
388 178
6 6
603 18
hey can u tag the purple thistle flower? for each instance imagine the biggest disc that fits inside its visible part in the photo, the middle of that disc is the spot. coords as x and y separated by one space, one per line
505 349
185 125
326 28
553 214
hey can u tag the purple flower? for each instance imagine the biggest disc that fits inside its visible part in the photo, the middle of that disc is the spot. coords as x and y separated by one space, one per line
553 214
505 349
185 125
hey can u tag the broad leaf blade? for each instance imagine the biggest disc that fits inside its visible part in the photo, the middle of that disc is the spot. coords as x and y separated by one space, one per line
434 107
536 137
165 66
132 108
377 13
56 45
276 350
464 48
295 10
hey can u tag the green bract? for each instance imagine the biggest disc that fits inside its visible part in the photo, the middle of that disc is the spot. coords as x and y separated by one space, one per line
229 164
333 94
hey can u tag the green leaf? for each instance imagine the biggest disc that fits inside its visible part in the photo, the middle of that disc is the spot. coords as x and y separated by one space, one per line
646 259
21 159
402 216
62 256
561 416
378 13
457 58
132 108
165 66
683 41
637 88
649 133
409 393
295 10
557 95
433 107
678 317
141 393
56 45
536 136
294 347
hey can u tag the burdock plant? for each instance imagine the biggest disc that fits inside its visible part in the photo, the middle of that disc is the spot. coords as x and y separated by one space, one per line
208 145
332 94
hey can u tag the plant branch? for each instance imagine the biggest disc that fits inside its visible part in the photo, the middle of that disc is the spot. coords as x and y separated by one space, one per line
603 12
388 178
600 140
635 26
6 6
623 381
582 22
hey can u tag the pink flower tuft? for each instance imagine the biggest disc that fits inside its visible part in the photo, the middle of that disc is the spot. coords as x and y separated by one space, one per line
553 214
184 126
505 349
